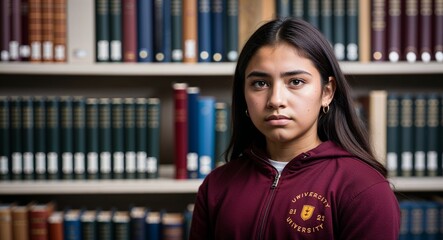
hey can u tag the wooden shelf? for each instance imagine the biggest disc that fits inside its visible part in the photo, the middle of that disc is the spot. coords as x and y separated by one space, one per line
200 69
417 184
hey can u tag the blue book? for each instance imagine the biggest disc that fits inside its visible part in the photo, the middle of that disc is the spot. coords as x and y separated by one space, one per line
153 225
218 30
231 30
432 215
204 31
193 125
405 226
145 47
72 224
206 135
162 30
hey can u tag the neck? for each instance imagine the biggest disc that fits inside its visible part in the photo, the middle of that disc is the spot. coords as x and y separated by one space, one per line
285 152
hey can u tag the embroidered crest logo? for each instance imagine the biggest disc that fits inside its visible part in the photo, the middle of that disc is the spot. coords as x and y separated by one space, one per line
306 212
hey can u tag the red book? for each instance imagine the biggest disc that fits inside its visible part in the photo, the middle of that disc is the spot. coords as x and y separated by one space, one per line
35 30
378 30
15 41
60 30
181 129
55 226
438 30
4 30
129 24
411 30
394 30
425 30
38 221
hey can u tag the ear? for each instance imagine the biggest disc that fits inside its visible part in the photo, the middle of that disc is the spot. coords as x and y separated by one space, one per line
328 91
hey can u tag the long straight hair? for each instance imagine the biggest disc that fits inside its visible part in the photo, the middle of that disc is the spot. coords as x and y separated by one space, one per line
340 125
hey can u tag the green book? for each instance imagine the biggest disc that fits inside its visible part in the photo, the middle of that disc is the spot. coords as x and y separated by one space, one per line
232 30
102 34
393 136
118 137
79 125
419 135
16 138
326 23
177 30
121 222
298 9
105 138
129 131
153 141
406 134
313 12
104 225
53 137
352 30
28 137
283 8
115 25
432 135
222 131
88 225
92 138
40 137
339 30
141 136
4 137
66 121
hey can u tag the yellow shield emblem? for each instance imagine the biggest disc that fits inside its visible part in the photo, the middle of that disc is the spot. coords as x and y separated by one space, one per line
307 212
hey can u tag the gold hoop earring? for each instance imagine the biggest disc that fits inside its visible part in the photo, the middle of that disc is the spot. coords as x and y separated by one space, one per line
246 112
325 109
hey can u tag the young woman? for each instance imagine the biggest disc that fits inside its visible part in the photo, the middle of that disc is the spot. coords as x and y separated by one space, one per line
300 165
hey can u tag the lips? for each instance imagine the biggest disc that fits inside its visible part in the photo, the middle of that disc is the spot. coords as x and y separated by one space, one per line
277 117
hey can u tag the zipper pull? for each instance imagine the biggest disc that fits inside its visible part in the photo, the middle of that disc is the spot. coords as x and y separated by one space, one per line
275 183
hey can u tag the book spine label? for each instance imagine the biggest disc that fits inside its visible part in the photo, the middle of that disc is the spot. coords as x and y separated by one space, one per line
28 138
129 131
105 139
40 137
102 34
180 129
4 136
218 30
153 137
118 147
190 31
129 24
378 30
16 139
232 30
177 30
145 46
141 136
115 24
92 138
79 125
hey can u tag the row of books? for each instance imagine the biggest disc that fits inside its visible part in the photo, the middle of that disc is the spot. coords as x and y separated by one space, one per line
337 20
44 221
409 30
79 138
202 132
421 219
166 30
33 30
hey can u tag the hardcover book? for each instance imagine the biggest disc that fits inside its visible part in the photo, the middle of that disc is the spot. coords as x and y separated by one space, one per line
394 30
222 131
20 222
55 226
5 28
40 137
378 30
79 129
72 224
28 137
35 24
60 30
432 135
89 225
145 32
204 31
105 138
438 30
177 30
16 31
66 129
153 137
393 135
141 113
406 134
193 125
206 136
180 129
232 29
411 30
419 134
129 131
92 138
47 10
218 30
4 136
352 30
190 31
16 138
115 25
53 137
162 28
129 25
102 28
118 156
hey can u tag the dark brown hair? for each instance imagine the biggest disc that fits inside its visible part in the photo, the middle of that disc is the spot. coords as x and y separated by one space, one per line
340 125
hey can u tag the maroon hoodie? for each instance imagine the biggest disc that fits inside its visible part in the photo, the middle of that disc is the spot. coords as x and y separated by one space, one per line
325 193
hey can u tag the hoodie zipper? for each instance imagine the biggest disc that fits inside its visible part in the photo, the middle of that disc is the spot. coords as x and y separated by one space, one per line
268 204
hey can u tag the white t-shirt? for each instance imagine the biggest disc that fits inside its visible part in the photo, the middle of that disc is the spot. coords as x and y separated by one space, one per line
278 165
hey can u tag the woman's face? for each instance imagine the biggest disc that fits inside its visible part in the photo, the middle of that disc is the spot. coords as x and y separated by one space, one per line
284 95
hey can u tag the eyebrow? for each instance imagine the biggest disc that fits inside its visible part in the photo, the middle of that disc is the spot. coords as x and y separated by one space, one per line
285 74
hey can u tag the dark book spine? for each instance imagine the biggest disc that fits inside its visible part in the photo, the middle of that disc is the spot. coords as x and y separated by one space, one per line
180 129
5 30
40 137
313 13
206 136
432 136
153 137
162 28
283 8
60 30
378 30
204 31
193 125
38 218
232 30
137 224
105 226
425 30
177 30
53 137
92 138
79 128
393 136
394 34
102 28
411 30
24 48
145 46
129 131
47 30
118 137
28 137
153 225
352 31
129 25
35 29
72 225
222 131
326 23
105 139
419 127
4 136
438 30
16 139
218 30
16 28
121 224
141 136
172 226
115 25
406 134
66 127
298 9
88 225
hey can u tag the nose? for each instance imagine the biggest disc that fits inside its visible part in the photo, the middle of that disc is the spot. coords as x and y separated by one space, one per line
277 96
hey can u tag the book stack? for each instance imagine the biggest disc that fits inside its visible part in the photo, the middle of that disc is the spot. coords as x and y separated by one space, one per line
33 30
79 138
44 221
201 131
166 30
421 219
